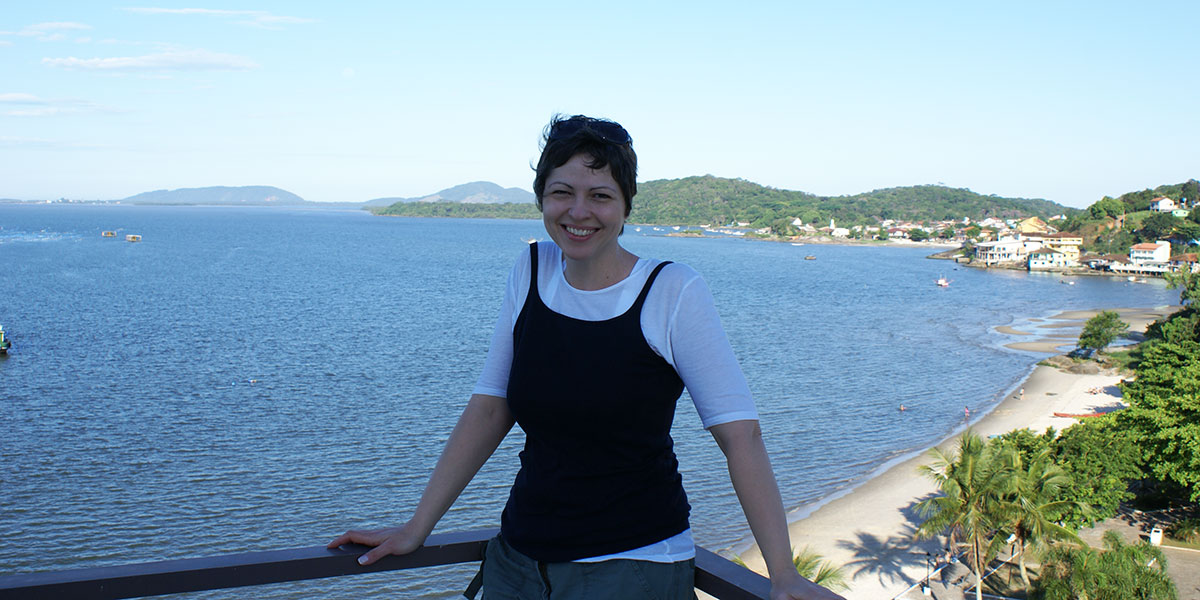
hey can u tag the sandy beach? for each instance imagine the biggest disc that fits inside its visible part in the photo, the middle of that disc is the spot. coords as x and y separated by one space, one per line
869 529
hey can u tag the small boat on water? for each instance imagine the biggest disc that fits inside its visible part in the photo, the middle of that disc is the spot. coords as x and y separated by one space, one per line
942 282
108 233
810 257
133 238
4 343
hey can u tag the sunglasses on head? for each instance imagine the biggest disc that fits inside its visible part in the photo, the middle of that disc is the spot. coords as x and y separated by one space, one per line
606 130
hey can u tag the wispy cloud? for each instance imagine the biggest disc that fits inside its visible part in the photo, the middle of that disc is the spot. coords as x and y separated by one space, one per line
178 60
47 144
19 98
53 31
252 18
20 104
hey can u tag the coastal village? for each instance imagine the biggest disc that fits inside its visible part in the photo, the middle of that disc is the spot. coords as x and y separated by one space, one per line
1031 243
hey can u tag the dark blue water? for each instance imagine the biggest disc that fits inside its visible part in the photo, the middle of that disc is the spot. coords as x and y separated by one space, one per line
257 378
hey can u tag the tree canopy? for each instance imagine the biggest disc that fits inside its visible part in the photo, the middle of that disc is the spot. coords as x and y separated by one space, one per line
1102 330
1164 412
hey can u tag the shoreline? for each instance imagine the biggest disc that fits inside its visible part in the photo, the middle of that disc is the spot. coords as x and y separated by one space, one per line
867 528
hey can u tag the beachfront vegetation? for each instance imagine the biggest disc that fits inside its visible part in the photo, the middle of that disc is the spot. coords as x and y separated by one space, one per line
1032 502
1102 330
1164 413
971 481
1016 485
1099 459
1118 572
813 567
993 490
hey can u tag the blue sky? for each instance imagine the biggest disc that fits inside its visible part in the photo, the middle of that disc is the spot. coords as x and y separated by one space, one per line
1067 101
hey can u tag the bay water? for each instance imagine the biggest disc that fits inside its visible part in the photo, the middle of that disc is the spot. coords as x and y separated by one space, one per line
249 378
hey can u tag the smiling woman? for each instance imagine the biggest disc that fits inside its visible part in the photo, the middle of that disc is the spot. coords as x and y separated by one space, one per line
590 354
584 213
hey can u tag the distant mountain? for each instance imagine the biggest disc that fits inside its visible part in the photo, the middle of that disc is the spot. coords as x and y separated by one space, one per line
476 192
250 195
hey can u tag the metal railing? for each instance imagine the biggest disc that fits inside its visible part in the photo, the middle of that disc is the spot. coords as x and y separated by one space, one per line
715 575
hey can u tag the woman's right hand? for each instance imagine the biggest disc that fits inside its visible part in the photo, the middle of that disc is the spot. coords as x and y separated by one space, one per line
392 540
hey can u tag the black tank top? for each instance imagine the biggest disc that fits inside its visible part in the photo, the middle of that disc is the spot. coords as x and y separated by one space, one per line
598 472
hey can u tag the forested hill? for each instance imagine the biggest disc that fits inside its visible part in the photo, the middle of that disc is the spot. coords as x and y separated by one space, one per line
710 200
720 201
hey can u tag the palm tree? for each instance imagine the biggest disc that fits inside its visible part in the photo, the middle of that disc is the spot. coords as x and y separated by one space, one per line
815 568
1031 503
972 484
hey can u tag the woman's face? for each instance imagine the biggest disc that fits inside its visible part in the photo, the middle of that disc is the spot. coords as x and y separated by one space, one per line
583 210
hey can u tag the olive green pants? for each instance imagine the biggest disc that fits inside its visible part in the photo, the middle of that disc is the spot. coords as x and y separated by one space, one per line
510 575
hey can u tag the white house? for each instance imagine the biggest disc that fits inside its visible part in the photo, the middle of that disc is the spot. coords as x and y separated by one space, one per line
1003 251
1158 252
1046 258
1149 258
1163 204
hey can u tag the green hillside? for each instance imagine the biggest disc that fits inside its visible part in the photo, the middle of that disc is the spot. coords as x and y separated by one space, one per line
710 200
721 201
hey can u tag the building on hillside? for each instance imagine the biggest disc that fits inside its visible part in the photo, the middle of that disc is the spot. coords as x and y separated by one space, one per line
1048 259
1106 262
1008 251
1162 204
1069 244
1147 259
1159 251
1033 225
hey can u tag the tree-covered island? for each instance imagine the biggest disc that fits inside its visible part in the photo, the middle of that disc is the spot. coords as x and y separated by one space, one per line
990 230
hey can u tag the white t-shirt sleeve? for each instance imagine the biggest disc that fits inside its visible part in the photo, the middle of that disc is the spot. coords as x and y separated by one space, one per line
701 354
493 380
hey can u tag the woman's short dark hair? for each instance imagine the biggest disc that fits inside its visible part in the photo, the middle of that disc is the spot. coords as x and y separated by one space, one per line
604 141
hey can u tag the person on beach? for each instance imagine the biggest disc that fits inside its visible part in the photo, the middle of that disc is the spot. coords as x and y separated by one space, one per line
593 347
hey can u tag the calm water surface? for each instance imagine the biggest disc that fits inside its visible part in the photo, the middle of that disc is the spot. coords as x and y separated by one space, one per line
257 378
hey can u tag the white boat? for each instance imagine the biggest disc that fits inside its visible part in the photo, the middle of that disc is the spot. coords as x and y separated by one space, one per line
942 282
